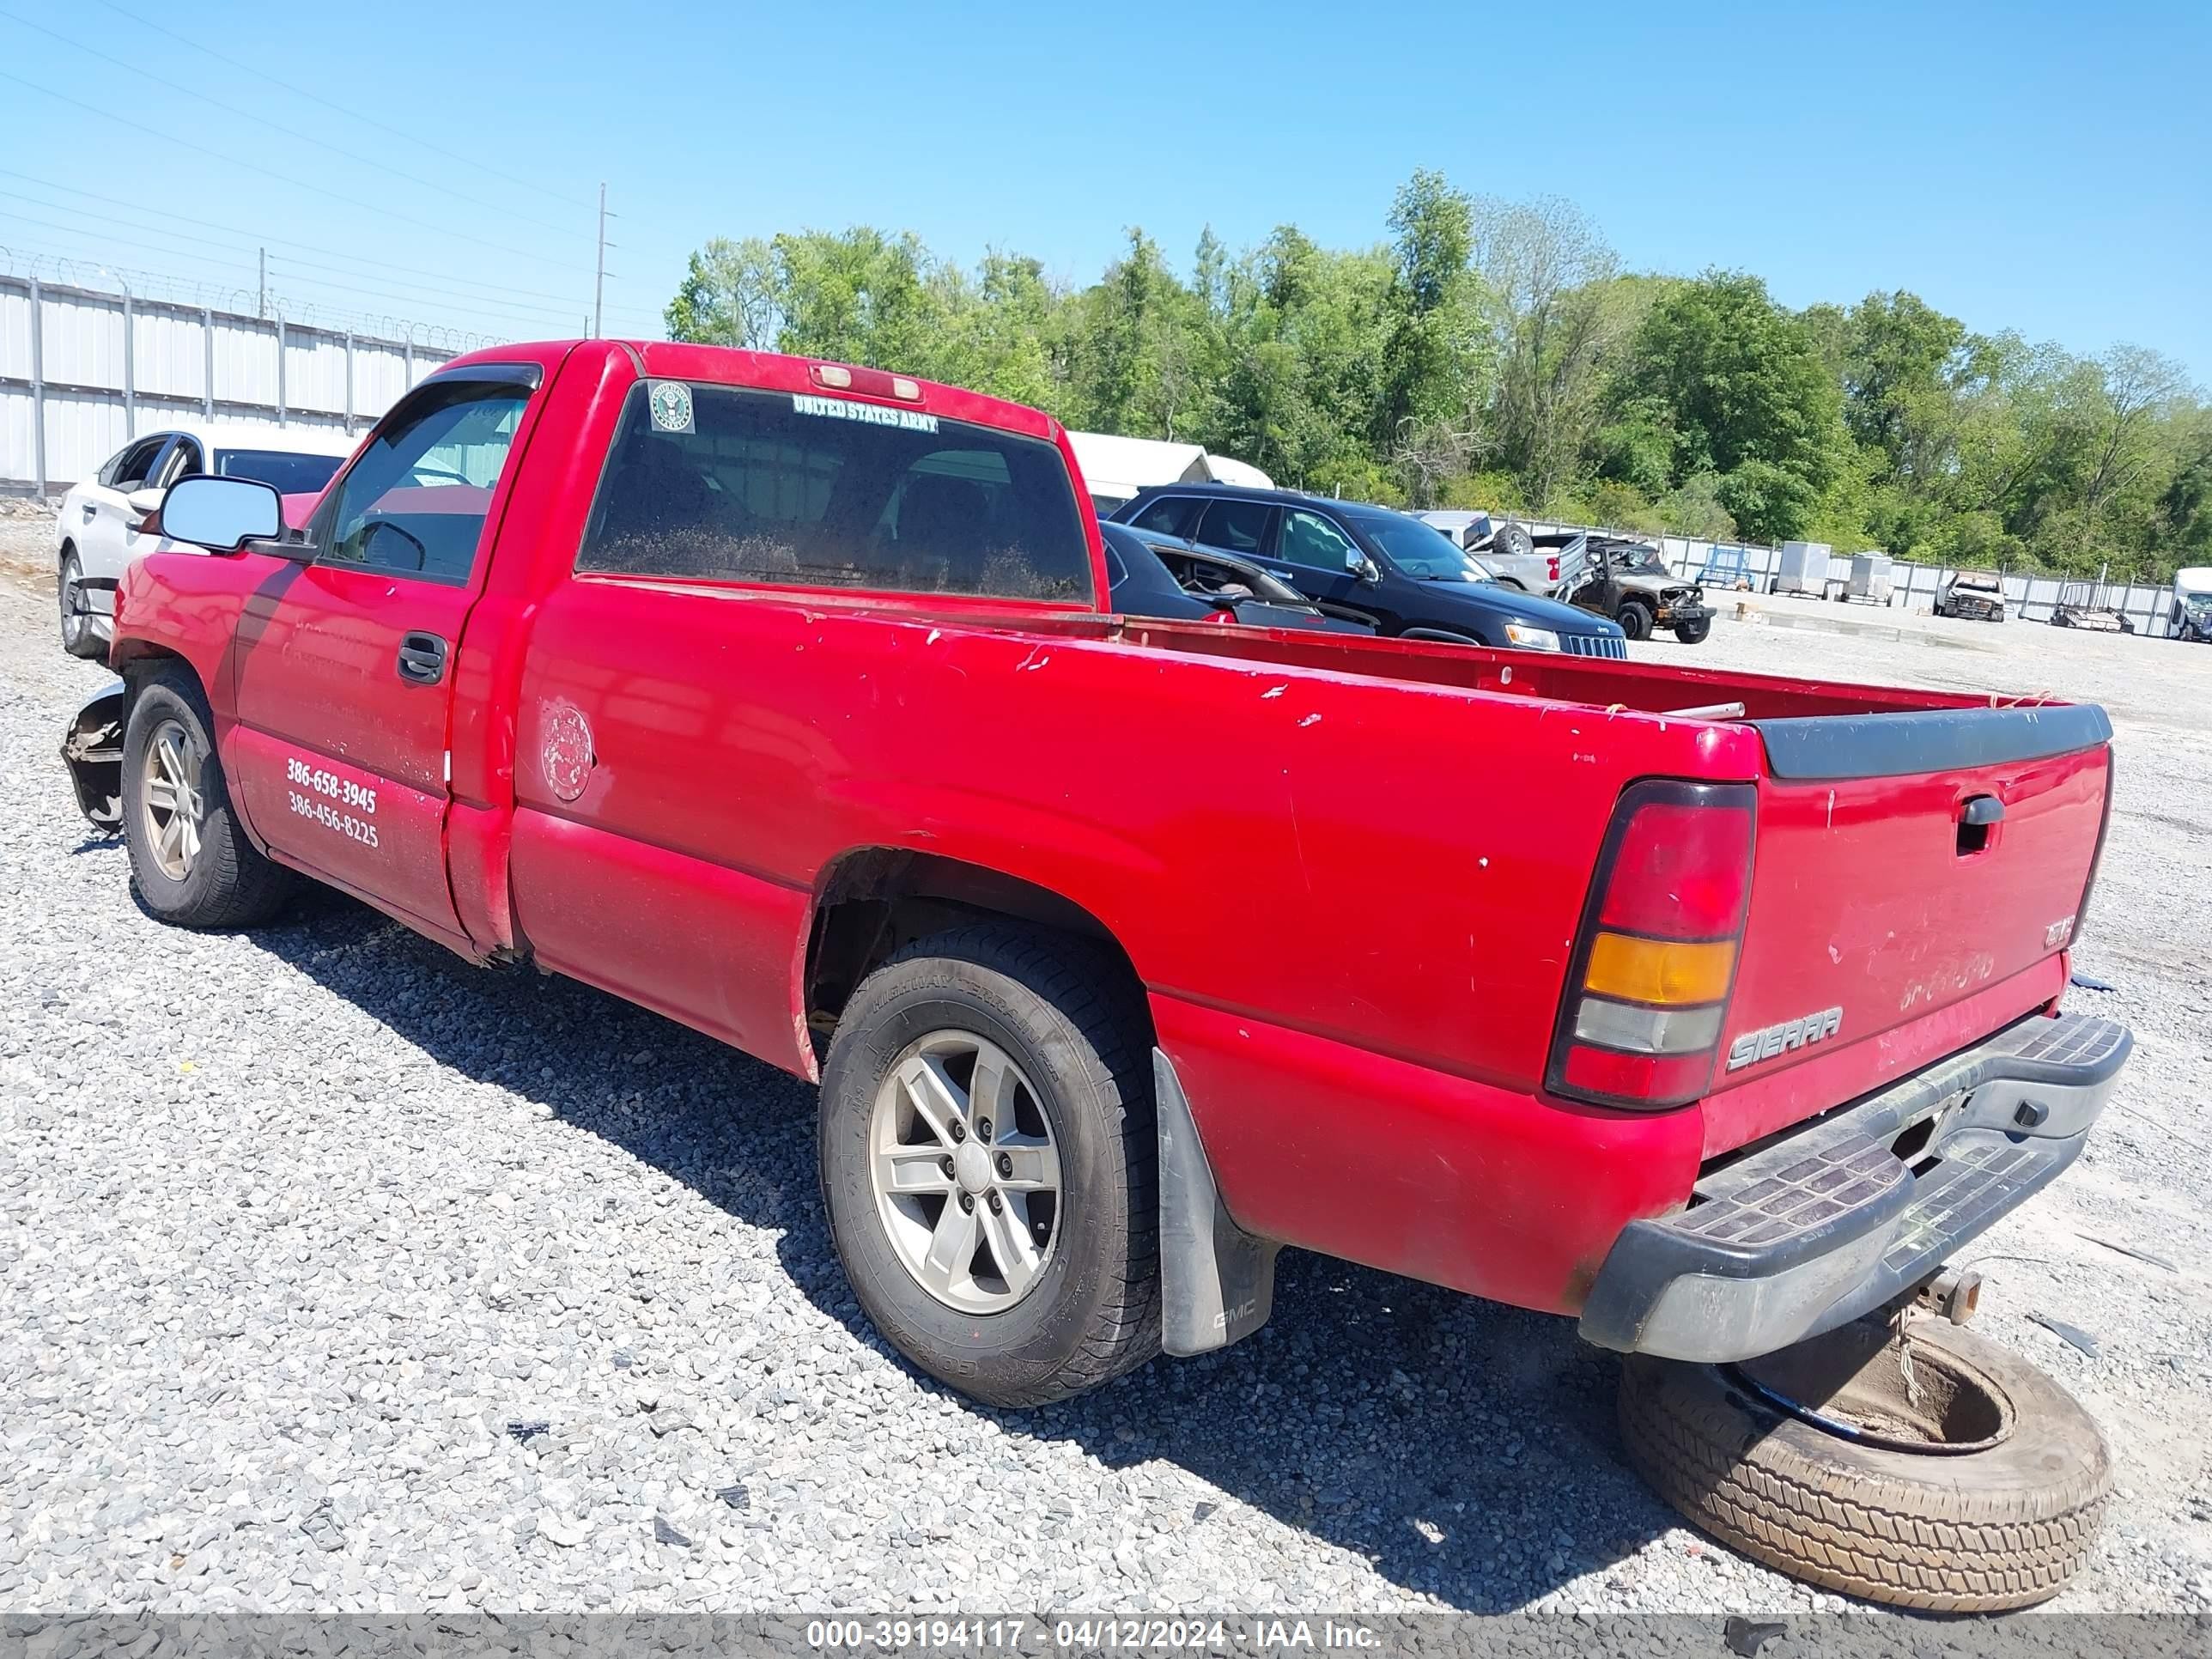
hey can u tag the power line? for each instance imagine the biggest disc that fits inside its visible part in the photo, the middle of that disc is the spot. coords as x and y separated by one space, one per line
255 237
171 139
233 109
354 115
481 302
479 309
146 285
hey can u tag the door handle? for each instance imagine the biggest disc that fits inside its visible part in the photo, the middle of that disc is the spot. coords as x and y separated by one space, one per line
89 511
421 659
1982 809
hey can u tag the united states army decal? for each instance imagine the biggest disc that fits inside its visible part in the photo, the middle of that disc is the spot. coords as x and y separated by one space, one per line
672 405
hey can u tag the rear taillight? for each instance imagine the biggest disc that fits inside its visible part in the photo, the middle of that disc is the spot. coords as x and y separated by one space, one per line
1219 616
1551 569
1656 958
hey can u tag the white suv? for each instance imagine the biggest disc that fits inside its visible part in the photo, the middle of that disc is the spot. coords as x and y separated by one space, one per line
97 533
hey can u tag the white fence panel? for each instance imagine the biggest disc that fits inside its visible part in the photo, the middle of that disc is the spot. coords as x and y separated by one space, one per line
1727 565
80 343
314 371
169 352
245 363
68 398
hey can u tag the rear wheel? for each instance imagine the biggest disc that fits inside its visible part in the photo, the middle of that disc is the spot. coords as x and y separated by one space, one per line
1965 1482
80 638
1635 619
988 1165
1693 633
191 863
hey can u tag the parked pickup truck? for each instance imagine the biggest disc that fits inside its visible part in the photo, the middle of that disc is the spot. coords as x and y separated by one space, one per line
1711 1009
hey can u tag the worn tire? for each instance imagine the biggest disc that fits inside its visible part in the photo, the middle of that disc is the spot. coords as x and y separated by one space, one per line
1635 619
1977 1532
86 641
230 884
1055 1006
1694 633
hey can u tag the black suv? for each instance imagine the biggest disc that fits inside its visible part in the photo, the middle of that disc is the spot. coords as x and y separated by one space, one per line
1370 565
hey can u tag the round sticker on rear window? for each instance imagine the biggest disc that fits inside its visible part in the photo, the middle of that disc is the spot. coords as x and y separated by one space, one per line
672 405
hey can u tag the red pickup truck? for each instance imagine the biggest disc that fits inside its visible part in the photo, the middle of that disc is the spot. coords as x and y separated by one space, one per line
777 695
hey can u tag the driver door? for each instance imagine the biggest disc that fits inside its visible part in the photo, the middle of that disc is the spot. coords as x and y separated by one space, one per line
343 668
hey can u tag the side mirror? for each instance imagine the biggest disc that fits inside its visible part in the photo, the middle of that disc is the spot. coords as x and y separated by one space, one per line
144 502
1361 565
221 514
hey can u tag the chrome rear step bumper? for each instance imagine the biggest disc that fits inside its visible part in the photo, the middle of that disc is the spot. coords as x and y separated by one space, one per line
1828 1220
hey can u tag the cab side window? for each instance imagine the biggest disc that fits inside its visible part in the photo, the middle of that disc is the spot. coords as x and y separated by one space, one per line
129 470
1309 540
415 502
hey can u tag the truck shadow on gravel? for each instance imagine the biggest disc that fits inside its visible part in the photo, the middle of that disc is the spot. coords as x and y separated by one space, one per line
1467 1450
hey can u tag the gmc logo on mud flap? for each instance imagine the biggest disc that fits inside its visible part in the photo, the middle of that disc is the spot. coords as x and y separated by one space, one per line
1242 1311
1780 1039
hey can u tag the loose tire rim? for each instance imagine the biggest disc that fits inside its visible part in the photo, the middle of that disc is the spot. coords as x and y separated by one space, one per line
171 802
966 1171
74 620
1901 1396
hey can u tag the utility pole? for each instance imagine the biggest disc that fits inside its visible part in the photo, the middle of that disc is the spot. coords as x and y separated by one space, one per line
599 280
262 308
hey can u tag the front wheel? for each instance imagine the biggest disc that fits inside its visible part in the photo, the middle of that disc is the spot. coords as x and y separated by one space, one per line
1636 620
191 863
988 1165
1693 633
80 638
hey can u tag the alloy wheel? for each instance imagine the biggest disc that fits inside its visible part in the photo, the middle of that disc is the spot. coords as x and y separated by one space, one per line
174 807
966 1171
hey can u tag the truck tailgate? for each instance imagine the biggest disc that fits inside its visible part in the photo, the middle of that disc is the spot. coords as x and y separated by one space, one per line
1916 880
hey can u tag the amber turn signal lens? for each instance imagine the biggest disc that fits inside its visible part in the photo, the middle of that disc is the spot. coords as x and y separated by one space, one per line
1671 971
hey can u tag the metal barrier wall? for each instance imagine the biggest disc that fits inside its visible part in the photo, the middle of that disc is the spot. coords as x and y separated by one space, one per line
1722 565
84 371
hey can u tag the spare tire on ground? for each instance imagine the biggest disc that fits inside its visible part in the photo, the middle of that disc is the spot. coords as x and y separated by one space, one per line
1967 1482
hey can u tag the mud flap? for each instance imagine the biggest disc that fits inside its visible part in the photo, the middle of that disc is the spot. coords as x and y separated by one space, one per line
1216 1281
91 749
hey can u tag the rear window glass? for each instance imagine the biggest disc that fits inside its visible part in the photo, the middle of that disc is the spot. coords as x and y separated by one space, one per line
1170 515
287 472
832 492
1239 526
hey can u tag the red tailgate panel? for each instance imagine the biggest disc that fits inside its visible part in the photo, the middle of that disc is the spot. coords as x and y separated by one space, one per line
1862 899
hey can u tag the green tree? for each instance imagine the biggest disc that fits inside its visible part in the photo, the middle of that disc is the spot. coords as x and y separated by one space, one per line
1739 384
1556 319
729 296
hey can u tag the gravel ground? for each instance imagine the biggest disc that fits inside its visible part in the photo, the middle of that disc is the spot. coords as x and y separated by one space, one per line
336 1274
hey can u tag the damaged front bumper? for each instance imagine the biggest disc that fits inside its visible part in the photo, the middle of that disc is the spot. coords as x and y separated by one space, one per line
1839 1216
93 750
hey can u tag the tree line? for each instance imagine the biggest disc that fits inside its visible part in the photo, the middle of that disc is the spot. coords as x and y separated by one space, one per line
1494 354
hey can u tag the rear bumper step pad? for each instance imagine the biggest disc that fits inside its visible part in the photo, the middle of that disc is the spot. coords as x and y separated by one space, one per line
1826 1221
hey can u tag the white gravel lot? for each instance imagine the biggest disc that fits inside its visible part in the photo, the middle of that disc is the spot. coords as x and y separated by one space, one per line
336 1274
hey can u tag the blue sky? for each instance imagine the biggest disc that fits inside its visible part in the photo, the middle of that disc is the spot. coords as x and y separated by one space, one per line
2038 167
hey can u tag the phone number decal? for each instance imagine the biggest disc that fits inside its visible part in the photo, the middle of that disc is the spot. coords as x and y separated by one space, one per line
322 812
330 785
